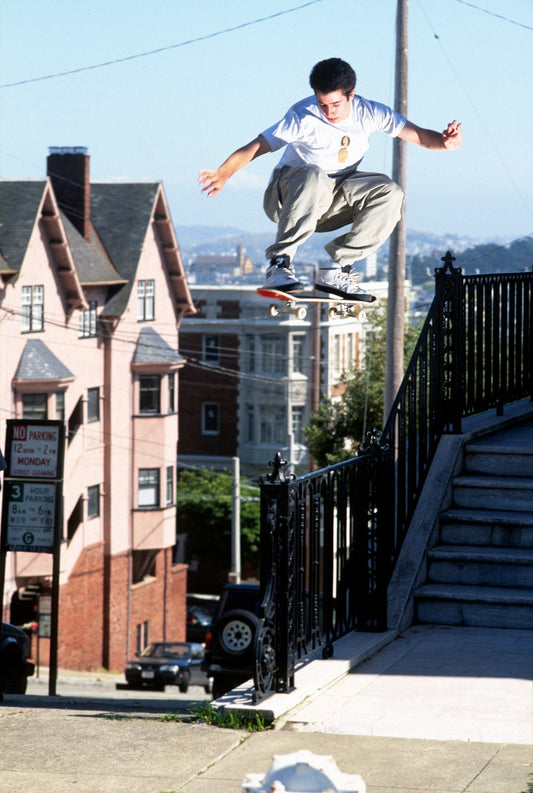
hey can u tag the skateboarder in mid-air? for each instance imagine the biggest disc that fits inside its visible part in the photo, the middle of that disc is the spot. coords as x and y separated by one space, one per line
316 186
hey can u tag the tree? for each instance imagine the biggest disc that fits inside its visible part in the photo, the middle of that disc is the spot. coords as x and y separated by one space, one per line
336 428
204 504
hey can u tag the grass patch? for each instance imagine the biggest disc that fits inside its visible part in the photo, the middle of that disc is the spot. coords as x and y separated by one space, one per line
230 719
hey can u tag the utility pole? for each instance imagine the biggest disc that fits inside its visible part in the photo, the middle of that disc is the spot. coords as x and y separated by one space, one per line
235 574
396 299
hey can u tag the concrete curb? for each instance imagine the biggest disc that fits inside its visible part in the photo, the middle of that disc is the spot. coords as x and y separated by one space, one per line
312 677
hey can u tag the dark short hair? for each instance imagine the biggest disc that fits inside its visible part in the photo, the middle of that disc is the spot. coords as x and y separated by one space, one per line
331 75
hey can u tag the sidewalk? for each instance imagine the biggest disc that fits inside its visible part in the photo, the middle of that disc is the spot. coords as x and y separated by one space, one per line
439 710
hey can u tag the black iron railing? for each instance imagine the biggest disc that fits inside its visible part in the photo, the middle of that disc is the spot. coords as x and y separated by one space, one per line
329 540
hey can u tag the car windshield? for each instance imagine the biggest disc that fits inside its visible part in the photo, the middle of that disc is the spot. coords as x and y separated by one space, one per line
166 649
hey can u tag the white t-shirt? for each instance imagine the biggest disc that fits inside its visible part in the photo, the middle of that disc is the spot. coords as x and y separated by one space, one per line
310 138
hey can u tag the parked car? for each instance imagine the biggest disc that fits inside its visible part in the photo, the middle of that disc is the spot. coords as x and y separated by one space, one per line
163 664
15 668
229 642
197 622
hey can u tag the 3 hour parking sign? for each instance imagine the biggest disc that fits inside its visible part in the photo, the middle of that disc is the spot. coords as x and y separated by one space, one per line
30 520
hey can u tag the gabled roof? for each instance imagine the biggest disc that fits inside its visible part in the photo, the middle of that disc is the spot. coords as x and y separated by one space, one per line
120 217
38 362
152 348
121 214
92 262
19 206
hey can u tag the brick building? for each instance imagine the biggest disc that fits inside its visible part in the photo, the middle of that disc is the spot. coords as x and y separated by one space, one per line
92 295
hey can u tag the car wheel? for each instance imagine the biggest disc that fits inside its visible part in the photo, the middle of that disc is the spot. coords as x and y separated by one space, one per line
236 631
16 684
184 685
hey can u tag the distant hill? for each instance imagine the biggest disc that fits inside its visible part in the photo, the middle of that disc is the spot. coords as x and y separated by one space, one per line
219 241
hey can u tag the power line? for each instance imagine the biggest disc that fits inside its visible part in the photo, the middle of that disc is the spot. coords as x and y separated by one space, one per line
493 14
490 139
207 36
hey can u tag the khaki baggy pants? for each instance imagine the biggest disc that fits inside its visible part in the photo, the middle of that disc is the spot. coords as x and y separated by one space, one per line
303 199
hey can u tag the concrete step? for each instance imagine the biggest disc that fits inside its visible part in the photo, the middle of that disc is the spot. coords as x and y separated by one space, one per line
497 459
462 564
508 452
476 606
510 493
487 527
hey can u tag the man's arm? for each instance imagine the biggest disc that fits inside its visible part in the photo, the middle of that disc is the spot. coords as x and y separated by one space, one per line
451 138
212 182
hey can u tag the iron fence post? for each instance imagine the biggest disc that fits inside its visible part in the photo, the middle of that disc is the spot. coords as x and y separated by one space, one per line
275 637
450 343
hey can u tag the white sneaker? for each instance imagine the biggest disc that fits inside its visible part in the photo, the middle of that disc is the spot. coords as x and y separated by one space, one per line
280 275
343 283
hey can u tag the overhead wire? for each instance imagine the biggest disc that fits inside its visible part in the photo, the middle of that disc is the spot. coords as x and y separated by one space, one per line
494 14
159 50
476 110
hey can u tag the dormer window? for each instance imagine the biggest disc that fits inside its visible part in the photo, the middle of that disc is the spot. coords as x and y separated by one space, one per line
145 300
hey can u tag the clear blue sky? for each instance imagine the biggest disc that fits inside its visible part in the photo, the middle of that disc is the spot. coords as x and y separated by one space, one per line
168 115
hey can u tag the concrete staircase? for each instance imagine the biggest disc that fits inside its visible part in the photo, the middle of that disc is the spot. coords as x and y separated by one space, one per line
481 571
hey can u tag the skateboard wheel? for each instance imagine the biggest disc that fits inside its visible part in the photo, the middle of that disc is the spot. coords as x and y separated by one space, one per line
333 312
362 316
301 312
273 311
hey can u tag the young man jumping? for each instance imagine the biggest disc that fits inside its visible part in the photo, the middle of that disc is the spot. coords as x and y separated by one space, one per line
316 186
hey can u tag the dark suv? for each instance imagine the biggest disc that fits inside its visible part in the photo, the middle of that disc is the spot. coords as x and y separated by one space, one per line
14 665
229 643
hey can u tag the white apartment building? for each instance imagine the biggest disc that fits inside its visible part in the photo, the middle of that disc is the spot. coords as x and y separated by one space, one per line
252 378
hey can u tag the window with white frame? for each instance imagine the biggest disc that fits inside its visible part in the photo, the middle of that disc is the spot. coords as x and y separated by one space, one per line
93 404
32 308
210 418
171 393
350 352
170 485
148 487
150 393
60 405
273 426
297 420
87 321
298 354
35 406
337 355
211 351
93 501
146 299
274 354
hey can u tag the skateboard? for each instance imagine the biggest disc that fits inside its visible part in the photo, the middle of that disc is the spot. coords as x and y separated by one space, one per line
288 303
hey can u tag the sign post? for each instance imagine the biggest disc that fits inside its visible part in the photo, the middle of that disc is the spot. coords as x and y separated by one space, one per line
32 505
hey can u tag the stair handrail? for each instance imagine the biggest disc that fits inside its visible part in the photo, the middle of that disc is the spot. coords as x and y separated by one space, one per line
330 539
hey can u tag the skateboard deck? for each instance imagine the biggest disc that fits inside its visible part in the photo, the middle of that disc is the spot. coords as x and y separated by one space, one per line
339 307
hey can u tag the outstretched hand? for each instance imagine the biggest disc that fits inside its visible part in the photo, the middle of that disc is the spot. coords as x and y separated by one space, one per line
211 182
452 136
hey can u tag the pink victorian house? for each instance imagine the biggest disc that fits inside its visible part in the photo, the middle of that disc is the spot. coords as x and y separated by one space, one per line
92 294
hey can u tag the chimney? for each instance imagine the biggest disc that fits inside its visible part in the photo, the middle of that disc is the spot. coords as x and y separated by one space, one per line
68 170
